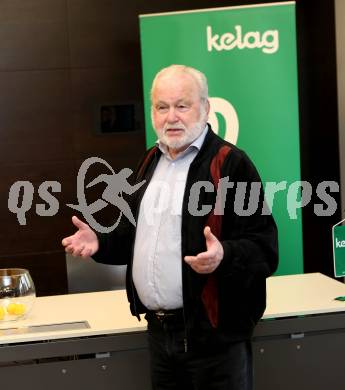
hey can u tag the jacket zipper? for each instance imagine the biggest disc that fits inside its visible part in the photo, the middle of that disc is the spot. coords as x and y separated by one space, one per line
194 163
185 340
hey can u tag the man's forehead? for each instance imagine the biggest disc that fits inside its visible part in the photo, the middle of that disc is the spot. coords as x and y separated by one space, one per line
176 77
178 100
179 85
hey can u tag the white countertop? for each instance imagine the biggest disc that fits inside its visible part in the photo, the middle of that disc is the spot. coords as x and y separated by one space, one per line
108 312
304 294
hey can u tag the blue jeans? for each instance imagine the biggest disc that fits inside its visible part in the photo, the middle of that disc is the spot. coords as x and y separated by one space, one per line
225 368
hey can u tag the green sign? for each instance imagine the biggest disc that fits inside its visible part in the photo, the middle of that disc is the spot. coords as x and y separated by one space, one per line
338 235
248 55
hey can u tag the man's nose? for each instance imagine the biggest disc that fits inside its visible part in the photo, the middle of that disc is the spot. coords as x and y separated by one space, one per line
172 117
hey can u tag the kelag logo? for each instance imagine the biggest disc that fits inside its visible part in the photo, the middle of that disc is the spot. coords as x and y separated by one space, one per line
339 243
338 238
268 41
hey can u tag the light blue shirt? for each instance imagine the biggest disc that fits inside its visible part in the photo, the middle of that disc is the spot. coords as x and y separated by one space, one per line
157 262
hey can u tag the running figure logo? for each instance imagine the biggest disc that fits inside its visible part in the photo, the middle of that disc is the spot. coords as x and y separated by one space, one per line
117 184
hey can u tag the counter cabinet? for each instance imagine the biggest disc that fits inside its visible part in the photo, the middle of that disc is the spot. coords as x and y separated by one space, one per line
299 343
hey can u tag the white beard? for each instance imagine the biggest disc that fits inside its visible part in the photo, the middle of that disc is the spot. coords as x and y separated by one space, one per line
189 135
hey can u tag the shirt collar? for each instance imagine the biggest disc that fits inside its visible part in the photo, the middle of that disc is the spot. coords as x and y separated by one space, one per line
196 144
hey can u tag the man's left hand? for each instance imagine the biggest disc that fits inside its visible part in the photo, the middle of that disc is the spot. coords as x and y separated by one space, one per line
207 262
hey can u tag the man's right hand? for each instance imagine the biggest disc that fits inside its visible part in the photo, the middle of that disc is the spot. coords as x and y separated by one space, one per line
82 243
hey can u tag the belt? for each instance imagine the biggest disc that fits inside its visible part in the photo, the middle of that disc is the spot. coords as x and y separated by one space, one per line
165 315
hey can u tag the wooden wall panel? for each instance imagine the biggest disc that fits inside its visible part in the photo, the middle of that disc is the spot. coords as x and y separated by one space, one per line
33 46
318 125
48 270
33 35
35 116
40 233
91 88
32 11
101 34
35 132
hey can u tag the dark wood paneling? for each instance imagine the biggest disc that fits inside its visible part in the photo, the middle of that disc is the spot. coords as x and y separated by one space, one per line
318 124
48 270
33 46
33 35
94 86
40 233
32 11
103 34
35 116
36 145
91 88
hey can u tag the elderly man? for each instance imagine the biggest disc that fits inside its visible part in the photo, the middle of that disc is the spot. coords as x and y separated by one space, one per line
199 276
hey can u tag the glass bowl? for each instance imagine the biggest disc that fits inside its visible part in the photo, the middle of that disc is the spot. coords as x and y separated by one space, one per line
17 294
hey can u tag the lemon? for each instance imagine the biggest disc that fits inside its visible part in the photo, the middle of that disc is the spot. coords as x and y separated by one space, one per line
16 309
19 309
2 313
11 308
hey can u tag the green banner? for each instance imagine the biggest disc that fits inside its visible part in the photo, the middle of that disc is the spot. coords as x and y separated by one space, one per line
248 55
338 235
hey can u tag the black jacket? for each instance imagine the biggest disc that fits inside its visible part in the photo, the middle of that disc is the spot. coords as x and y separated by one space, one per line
249 242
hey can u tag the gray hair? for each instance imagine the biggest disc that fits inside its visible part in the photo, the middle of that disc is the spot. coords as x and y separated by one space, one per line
198 76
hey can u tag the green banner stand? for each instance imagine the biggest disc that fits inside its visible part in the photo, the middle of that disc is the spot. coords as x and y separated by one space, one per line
248 54
338 236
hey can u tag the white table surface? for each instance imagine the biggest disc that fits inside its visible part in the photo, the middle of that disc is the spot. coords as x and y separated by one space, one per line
108 312
304 294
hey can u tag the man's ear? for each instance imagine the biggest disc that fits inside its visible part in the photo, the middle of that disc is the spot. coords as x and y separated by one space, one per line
208 107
